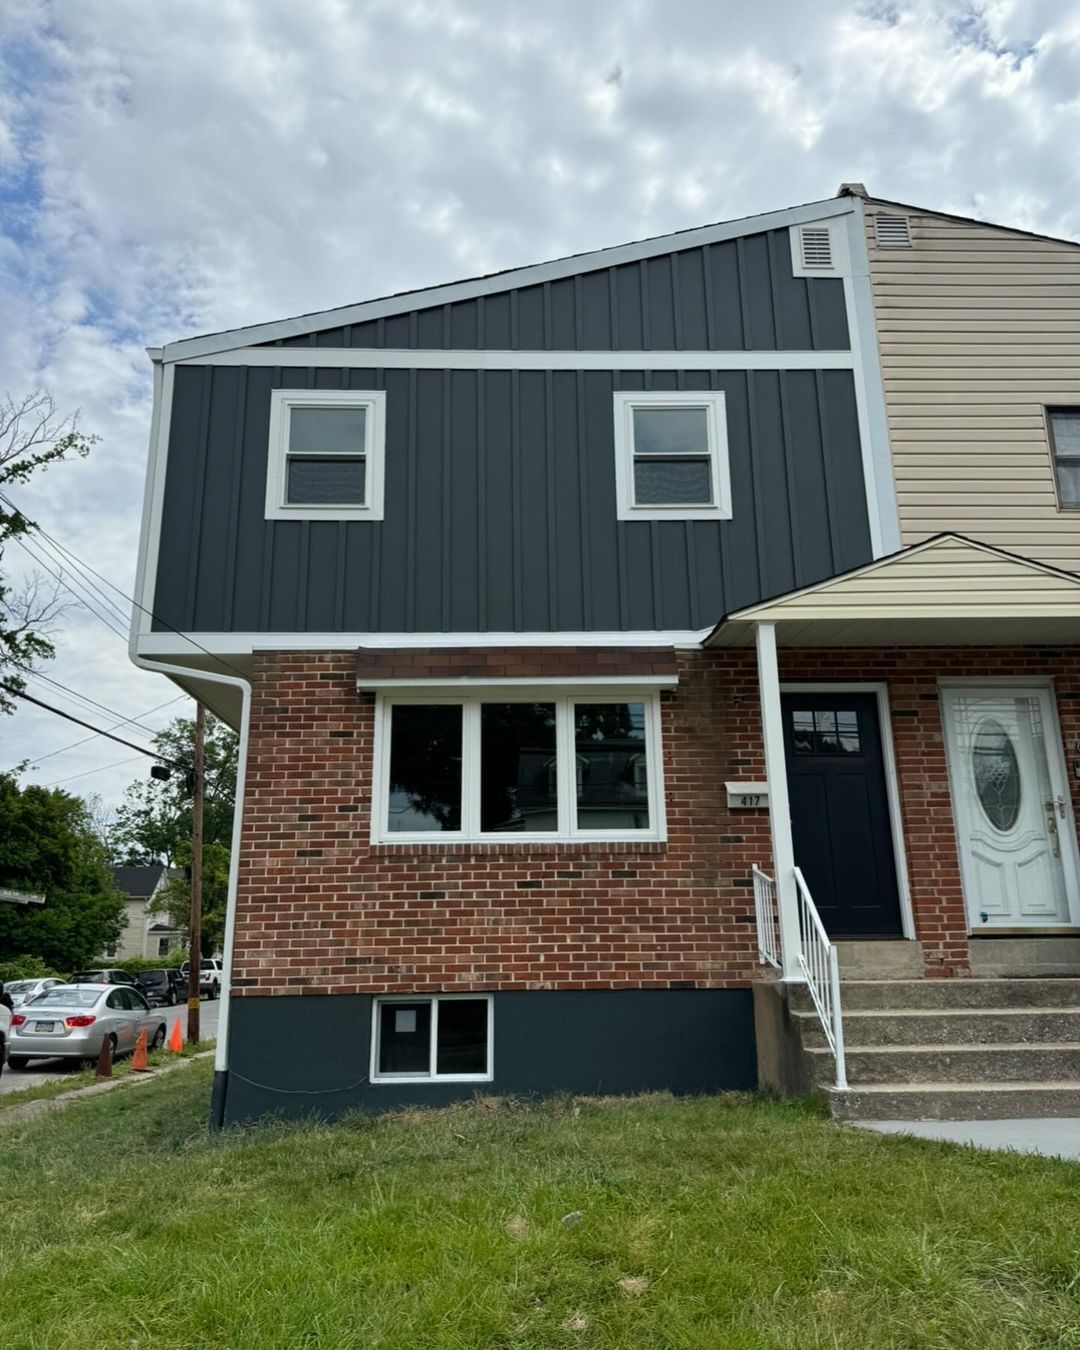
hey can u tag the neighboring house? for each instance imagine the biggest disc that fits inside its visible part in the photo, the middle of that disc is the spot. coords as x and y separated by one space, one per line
567 596
148 931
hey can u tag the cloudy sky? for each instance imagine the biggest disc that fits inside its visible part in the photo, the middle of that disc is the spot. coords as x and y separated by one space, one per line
173 168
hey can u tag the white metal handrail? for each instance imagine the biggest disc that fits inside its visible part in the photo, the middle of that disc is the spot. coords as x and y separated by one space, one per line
768 920
818 961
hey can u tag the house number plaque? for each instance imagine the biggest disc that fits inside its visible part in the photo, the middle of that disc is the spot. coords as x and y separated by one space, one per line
747 796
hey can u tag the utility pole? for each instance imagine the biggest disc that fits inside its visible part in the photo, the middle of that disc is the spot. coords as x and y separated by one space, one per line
195 922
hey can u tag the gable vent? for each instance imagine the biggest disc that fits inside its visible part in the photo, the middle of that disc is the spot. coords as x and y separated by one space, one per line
815 244
892 232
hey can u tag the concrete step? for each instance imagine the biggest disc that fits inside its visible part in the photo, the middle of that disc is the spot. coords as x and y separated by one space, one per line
898 995
880 959
957 1101
948 1026
1025 956
1005 1063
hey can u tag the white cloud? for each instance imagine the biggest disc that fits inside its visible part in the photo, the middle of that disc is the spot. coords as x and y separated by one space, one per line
175 168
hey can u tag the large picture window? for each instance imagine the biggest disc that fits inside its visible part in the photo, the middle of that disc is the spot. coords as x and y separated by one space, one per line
488 767
444 1036
326 454
671 456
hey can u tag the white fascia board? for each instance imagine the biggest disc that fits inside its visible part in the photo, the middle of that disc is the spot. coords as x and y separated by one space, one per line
244 644
522 684
423 358
878 478
213 343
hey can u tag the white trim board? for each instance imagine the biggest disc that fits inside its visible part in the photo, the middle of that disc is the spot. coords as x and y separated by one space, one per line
892 781
620 685
212 343
425 358
243 644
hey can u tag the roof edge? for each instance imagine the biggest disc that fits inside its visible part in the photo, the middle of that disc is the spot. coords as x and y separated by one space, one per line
508 280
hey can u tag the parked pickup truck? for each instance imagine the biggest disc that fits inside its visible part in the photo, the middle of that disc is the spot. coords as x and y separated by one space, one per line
211 976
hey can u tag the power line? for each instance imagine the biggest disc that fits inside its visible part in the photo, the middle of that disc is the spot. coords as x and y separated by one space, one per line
85 698
87 772
150 754
221 660
29 764
102 616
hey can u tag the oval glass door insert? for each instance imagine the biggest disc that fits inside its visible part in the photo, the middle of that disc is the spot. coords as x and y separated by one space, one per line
997 774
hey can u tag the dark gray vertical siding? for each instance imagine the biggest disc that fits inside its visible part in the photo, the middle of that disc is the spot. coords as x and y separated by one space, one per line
500 506
694 299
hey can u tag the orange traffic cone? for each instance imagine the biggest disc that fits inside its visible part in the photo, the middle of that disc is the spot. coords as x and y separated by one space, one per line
104 1062
176 1039
138 1059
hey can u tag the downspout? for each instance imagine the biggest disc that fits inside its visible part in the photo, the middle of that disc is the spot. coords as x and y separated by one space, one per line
221 1051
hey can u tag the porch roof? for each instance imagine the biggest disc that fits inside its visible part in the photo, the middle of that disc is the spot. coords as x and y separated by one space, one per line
948 591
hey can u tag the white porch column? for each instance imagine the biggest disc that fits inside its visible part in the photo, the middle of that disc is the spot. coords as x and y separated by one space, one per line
772 724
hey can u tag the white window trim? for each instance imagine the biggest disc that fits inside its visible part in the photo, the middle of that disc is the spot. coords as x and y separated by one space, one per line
568 831
715 406
388 1000
282 402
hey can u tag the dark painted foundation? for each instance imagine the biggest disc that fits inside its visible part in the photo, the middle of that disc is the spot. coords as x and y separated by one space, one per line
296 1056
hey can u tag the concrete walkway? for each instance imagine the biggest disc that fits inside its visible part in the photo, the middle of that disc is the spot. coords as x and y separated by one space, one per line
1053 1137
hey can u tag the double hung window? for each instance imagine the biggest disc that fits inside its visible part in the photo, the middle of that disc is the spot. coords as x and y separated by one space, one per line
1065 442
489 767
326 455
671 456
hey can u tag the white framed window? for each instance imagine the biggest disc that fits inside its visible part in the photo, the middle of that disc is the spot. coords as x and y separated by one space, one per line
433 1038
671 456
327 448
517 767
1064 424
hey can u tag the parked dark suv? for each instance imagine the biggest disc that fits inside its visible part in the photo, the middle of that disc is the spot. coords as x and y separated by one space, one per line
162 986
101 977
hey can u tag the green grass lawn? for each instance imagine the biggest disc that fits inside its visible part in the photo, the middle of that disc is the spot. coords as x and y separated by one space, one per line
86 1077
704 1223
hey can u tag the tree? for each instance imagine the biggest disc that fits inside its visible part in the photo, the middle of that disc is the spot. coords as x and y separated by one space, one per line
48 845
153 823
33 435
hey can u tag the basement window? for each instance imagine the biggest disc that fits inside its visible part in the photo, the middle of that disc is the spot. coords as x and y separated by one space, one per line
529 768
446 1038
671 456
1064 426
326 454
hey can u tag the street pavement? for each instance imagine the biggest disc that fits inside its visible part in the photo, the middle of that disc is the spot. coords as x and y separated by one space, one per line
52 1070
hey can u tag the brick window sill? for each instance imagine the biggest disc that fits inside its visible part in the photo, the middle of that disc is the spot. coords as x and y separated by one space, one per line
515 852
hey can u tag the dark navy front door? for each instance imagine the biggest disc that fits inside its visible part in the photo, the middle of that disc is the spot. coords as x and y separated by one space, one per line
840 811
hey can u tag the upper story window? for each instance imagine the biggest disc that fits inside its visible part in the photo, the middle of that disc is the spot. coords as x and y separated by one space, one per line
671 456
1065 443
502 769
326 454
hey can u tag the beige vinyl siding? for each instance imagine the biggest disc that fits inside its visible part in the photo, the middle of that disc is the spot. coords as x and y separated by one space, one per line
947 591
979 331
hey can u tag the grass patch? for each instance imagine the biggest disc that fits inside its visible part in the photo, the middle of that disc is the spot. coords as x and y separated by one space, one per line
80 1078
709 1222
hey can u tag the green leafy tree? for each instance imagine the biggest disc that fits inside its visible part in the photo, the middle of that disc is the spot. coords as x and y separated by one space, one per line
153 823
33 436
48 845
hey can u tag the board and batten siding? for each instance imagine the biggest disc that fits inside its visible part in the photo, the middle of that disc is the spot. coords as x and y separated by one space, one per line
979 332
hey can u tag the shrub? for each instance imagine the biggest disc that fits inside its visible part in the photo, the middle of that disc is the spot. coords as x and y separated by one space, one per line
26 968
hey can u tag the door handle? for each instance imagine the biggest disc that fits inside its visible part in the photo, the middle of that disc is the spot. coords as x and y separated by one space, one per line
1061 805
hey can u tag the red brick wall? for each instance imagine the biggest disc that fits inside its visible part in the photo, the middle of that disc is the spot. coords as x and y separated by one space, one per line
321 910
919 742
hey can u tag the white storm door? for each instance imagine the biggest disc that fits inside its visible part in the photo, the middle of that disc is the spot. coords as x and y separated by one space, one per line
1011 806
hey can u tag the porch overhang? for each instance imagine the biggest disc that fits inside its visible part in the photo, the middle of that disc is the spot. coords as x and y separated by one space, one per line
946 592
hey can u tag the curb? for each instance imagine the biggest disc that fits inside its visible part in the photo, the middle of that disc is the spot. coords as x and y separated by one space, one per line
14 1115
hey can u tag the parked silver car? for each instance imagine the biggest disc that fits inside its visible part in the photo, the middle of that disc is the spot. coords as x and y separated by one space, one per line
73 1020
22 991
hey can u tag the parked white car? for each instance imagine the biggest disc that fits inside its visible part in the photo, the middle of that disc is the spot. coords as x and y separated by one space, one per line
22 991
71 1021
211 975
